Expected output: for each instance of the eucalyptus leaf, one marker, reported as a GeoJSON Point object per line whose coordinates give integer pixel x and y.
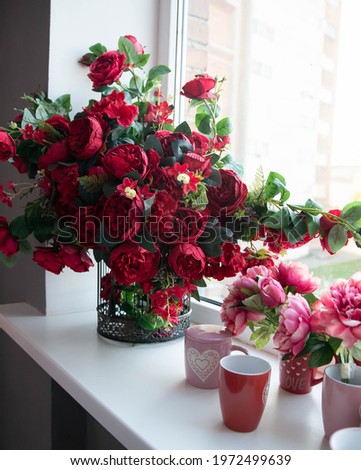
{"type": "Point", "coordinates": [337, 237]}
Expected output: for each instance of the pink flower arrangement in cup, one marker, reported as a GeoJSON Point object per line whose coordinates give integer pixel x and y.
{"type": "Point", "coordinates": [280, 302]}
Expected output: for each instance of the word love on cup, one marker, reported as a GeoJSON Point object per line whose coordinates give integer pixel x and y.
{"type": "Point", "coordinates": [204, 347]}
{"type": "Point", "coordinates": [243, 390]}
{"type": "Point", "coordinates": [296, 376]}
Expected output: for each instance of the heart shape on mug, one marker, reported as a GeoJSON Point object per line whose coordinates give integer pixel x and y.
{"type": "Point", "coordinates": [203, 364]}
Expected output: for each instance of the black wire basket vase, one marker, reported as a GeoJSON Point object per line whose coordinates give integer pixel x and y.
{"type": "Point", "coordinates": [123, 317]}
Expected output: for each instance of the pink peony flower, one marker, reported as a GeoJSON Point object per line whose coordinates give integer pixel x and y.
{"type": "Point", "coordinates": [338, 312]}
{"type": "Point", "coordinates": [297, 277]}
{"type": "Point", "coordinates": [234, 312]}
{"type": "Point", "coordinates": [294, 325]}
{"type": "Point", "coordinates": [271, 291]}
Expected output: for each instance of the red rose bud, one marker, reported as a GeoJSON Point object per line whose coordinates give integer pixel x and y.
{"type": "Point", "coordinates": [107, 68]}
{"type": "Point", "coordinates": [9, 245]}
{"type": "Point", "coordinates": [326, 224]}
{"type": "Point", "coordinates": [7, 146]}
{"type": "Point", "coordinates": [137, 46]}
{"type": "Point", "coordinates": [196, 162]}
{"type": "Point", "coordinates": [199, 88]}
{"type": "Point", "coordinates": [57, 152]}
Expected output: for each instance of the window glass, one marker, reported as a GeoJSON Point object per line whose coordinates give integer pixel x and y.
{"type": "Point", "coordinates": [292, 92]}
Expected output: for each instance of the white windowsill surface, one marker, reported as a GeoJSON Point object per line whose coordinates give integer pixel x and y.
{"type": "Point", "coordinates": [140, 395]}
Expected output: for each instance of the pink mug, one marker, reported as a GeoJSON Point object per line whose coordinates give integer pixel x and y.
{"type": "Point", "coordinates": [204, 347]}
{"type": "Point", "coordinates": [296, 376]}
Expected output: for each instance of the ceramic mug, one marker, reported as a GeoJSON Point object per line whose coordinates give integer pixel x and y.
{"type": "Point", "coordinates": [340, 401]}
{"type": "Point", "coordinates": [296, 376]}
{"type": "Point", "coordinates": [346, 439]}
{"type": "Point", "coordinates": [204, 347]}
{"type": "Point", "coordinates": [243, 390]}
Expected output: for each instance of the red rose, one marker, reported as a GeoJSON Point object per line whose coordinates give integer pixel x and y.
{"type": "Point", "coordinates": [131, 263]}
{"type": "Point", "coordinates": [199, 88]}
{"type": "Point", "coordinates": [185, 225]}
{"type": "Point", "coordinates": [85, 137]}
{"type": "Point", "coordinates": [9, 245]}
{"type": "Point", "coordinates": [49, 259]}
{"type": "Point", "coordinates": [123, 217]}
{"type": "Point", "coordinates": [137, 46]}
{"type": "Point", "coordinates": [7, 146]}
{"type": "Point", "coordinates": [326, 224]}
{"type": "Point", "coordinates": [107, 68]}
{"type": "Point", "coordinates": [229, 196]}
{"type": "Point", "coordinates": [57, 152]}
{"type": "Point", "coordinates": [76, 258]}
{"type": "Point", "coordinates": [115, 107]}
{"type": "Point", "coordinates": [124, 159]}
{"type": "Point", "coordinates": [187, 261]}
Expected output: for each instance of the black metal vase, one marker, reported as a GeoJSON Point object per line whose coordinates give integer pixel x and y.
{"type": "Point", "coordinates": [122, 320]}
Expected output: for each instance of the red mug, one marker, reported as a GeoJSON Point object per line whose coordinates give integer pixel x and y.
{"type": "Point", "coordinates": [296, 376]}
{"type": "Point", "coordinates": [243, 391]}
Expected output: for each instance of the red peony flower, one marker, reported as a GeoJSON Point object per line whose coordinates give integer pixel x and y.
{"type": "Point", "coordinates": [187, 261]}
{"type": "Point", "coordinates": [107, 68]}
{"type": "Point", "coordinates": [123, 217]}
{"type": "Point", "coordinates": [85, 138]}
{"type": "Point", "coordinates": [124, 159]}
{"type": "Point", "coordinates": [229, 196]}
{"type": "Point", "coordinates": [66, 180]}
{"type": "Point", "coordinates": [131, 263]}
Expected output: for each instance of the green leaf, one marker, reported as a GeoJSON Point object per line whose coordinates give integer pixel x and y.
{"type": "Point", "coordinates": [203, 123]}
{"type": "Point", "coordinates": [142, 60]}
{"type": "Point", "coordinates": [19, 227]}
{"type": "Point", "coordinates": [28, 118]}
{"type": "Point", "coordinates": [195, 295]}
{"type": "Point", "coordinates": [153, 143]}
{"type": "Point", "coordinates": [236, 167]}
{"type": "Point", "coordinates": [352, 213]}
{"type": "Point", "coordinates": [276, 184]}
{"type": "Point", "coordinates": [147, 207]}
{"type": "Point", "coordinates": [200, 283]}
{"type": "Point", "coordinates": [321, 356]}
{"type": "Point", "coordinates": [9, 262]}
{"type": "Point", "coordinates": [184, 128]}
{"type": "Point", "coordinates": [43, 231]}
{"type": "Point", "coordinates": [41, 113]}
{"type": "Point", "coordinates": [337, 237]}
{"type": "Point", "coordinates": [297, 230]}
{"type": "Point", "coordinates": [313, 224]}
{"type": "Point", "coordinates": [214, 179]}
{"type": "Point", "coordinates": [127, 47]}
{"type": "Point", "coordinates": [313, 204]}
{"type": "Point", "coordinates": [63, 104]}
{"type": "Point", "coordinates": [224, 127]}
{"type": "Point", "coordinates": [279, 219]}
{"type": "Point", "coordinates": [98, 49]}
{"type": "Point", "coordinates": [254, 302]}
{"type": "Point", "coordinates": [356, 351]}
{"type": "Point", "coordinates": [25, 246]}
{"type": "Point", "coordinates": [157, 71]}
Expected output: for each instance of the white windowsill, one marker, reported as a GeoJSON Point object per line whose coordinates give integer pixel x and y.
{"type": "Point", "coordinates": [139, 393]}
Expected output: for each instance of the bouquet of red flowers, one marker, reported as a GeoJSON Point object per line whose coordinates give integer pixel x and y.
{"type": "Point", "coordinates": [163, 206]}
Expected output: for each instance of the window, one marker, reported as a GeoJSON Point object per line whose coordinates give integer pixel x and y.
{"type": "Point", "coordinates": [292, 92]}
